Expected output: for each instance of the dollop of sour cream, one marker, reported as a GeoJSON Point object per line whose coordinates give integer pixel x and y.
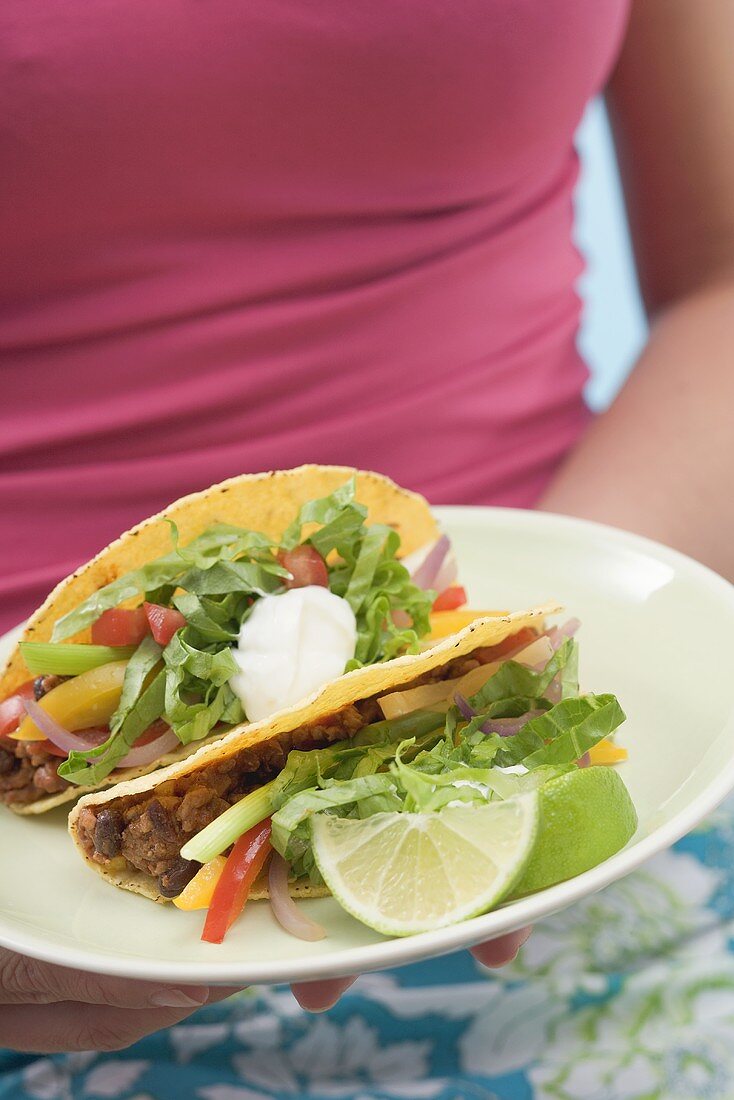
{"type": "Point", "coordinates": [291, 645]}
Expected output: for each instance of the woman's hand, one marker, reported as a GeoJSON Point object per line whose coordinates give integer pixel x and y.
{"type": "Point", "coordinates": [319, 996]}
{"type": "Point", "coordinates": [46, 1009]}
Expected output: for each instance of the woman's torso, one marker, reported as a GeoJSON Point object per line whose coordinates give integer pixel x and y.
{"type": "Point", "coordinates": [246, 236]}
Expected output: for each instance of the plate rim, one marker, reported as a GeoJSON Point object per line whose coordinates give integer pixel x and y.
{"type": "Point", "coordinates": [391, 952]}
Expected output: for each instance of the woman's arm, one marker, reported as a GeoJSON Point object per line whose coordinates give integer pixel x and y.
{"type": "Point", "coordinates": [661, 460]}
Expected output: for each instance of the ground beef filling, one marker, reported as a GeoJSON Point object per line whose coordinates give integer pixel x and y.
{"type": "Point", "coordinates": [146, 832]}
{"type": "Point", "coordinates": [27, 771]}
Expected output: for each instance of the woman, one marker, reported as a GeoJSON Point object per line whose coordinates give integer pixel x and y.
{"type": "Point", "coordinates": [239, 237]}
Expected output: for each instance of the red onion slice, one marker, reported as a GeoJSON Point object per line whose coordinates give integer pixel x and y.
{"type": "Point", "coordinates": [447, 575]}
{"type": "Point", "coordinates": [585, 760]}
{"type": "Point", "coordinates": [557, 635]}
{"type": "Point", "coordinates": [464, 706]}
{"type": "Point", "coordinates": [426, 573]}
{"type": "Point", "coordinates": [146, 754]}
{"type": "Point", "coordinates": [506, 727]}
{"type": "Point", "coordinates": [50, 728]}
{"type": "Point", "coordinates": [284, 908]}
{"type": "Point", "coordinates": [72, 742]}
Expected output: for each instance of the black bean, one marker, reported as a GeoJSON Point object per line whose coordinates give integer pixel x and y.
{"type": "Point", "coordinates": [108, 833]}
{"type": "Point", "coordinates": [43, 684]}
{"type": "Point", "coordinates": [161, 820]}
{"type": "Point", "coordinates": [178, 875]}
{"type": "Point", "coordinates": [7, 761]}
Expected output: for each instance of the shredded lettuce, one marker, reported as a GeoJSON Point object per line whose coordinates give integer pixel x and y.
{"type": "Point", "coordinates": [366, 573]}
{"type": "Point", "coordinates": [198, 695]}
{"type": "Point", "coordinates": [209, 546]}
{"type": "Point", "coordinates": [363, 754]}
{"type": "Point", "coordinates": [339, 516]}
{"type": "Point", "coordinates": [291, 826]}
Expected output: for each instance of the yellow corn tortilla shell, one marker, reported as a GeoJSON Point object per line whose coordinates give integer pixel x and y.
{"type": "Point", "coordinates": [266, 502]}
{"type": "Point", "coordinates": [353, 687]}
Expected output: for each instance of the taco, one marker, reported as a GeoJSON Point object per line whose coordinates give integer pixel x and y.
{"type": "Point", "coordinates": [133, 834]}
{"type": "Point", "coordinates": [230, 605]}
{"type": "Point", "coordinates": [453, 752]}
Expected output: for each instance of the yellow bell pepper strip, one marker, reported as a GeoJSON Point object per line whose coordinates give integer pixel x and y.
{"type": "Point", "coordinates": [606, 752]}
{"type": "Point", "coordinates": [198, 893]}
{"type": "Point", "coordinates": [244, 864]}
{"type": "Point", "coordinates": [444, 623]}
{"type": "Point", "coordinates": [86, 700]}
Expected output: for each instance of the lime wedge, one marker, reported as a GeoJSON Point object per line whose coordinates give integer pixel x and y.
{"type": "Point", "coordinates": [585, 817]}
{"type": "Point", "coordinates": [403, 873]}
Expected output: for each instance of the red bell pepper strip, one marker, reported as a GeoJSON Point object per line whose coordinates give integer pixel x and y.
{"type": "Point", "coordinates": [243, 865]}
{"type": "Point", "coordinates": [450, 598]}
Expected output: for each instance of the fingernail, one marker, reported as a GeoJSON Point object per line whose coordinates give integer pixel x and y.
{"type": "Point", "coordinates": [324, 1006]}
{"type": "Point", "coordinates": [176, 998]}
{"type": "Point", "coordinates": [221, 992]}
{"type": "Point", "coordinates": [320, 996]}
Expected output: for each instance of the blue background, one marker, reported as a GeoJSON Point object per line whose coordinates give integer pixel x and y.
{"type": "Point", "coordinates": [614, 326]}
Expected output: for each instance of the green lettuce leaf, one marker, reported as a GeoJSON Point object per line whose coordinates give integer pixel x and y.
{"type": "Point", "coordinates": [564, 733]}
{"type": "Point", "coordinates": [213, 620]}
{"type": "Point", "coordinates": [339, 516]}
{"type": "Point", "coordinates": [139, 667]}
{"type": "Point", "coordinates": [291, 832]}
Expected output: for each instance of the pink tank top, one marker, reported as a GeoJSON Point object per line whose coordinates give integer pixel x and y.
{"type": "Point", "coordinates": [245, 235]}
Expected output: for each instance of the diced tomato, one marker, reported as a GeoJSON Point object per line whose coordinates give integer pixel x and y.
{"type": "Point", "coordinates": [450, 598]}
{"type": "Point", "coordinates": [12, 711]}
{"type": "Point", "coordinates": [153, 732]}
{"type": "Point", "coordinates": [515, 641]}
{"type": "Point", "coordinates": [306, 565]}
{"type": "Point", "coordinates": [244, 864]}
{"type": "Point", "coordinates": [120, 626]}
{"type": "Point", "coordinates": [163, 621]}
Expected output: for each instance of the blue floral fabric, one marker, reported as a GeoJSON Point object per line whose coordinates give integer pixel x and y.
{"type": "Point", "coordinates": [627, 996]}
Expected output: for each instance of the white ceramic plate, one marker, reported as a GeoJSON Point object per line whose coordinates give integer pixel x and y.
{"type": "Point", "coordinates": [658, 631]}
